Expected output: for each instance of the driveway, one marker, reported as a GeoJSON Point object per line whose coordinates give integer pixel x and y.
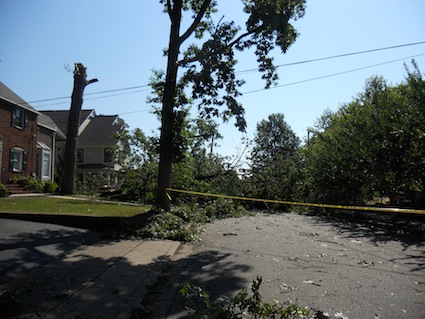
{"type": "Point", "coordinates": [52, 272]}
{"type": "Point", "coordinates": [354, 266]}
{"type": "Point", "coordinates": [26, 245]}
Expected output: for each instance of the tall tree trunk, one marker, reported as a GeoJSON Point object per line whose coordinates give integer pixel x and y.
{"type": "Point", "coordinates": [167, 118]}
{"type": "Point", "coordinates": [71, 147]}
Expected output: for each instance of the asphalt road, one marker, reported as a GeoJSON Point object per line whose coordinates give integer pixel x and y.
{"type": "Point", "coordinates": [349, 267]}
{"type": "Point", "coordinates": [352, 267]}
{"type": "Point", "coordinates": [26, 245]}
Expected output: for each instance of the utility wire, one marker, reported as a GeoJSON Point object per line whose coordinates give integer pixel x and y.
{"type": "Point", "coordinates": [339, 56]}
{"type": "Point", "coordinates": [93, 93]}
{"type": "Point", "coordinates": [251, 70]}
{"type": "Point", "coordinates": [88, 99]}
{"type": "Point", "coordinates": [259, 90]}
{"type": "Point", "coordinates": [333, 74]}
{"type": "Point", "coordinates": [121, 89]}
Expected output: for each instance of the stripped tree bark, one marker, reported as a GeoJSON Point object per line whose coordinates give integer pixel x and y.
{"type": "Point", "coordinates": [70, 159]}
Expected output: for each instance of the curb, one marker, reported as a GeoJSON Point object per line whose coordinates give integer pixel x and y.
{"type": "Point", "coordinates": [136, 302]}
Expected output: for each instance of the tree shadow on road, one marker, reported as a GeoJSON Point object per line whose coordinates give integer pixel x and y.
{"type": "Point", "coordinates": [81, 285]}
{"type": "Point", "coordinates": [381, 228]}
{"type": "Point", "coordinates": [22, 252]}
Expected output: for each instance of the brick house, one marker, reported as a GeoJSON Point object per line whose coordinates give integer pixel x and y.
{"type": "Point", "coordinates": [31, 141]}
{"type": "Point", "coordinates": [18, 136]}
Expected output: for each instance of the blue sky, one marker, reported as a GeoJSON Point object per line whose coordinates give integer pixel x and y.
{"type": "Point", "coordinates": [120, 42]}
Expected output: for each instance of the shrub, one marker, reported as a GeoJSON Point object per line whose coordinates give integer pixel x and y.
{"type": "Point", "coordinates": [182, 222]}
{"type": "Point", "coordinates": [244, 305]}
{"type": "Point", "coordinates": [50, 187]}
{"type": "Point", "coordinates": [166, 225]}
{"type": "Point", "coordinates": [29, 183]}
{"type": "Point", "coordinates": [136, 191]}
{"type": "Point", "coordinates": [92, 184]}
{"type": "Point", "coordinates": [4, 191]}
{"type": "Point", "coordinates": [222, 208]}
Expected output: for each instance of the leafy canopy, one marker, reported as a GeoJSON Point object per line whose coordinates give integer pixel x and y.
{"type": "Point", "coordinates": [273, 159]}
{"type": "Point", "coordinates": [372, 146]}
{"type": "Point", "coordinates": [209, 66]}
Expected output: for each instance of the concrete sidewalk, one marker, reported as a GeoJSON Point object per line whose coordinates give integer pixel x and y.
{"type": "Point", "coordinates": [107, 279]}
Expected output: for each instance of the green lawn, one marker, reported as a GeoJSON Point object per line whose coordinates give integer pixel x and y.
{"type": "Point", "coordinates": [66, 206]}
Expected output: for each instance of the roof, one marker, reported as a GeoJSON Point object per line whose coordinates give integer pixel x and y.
{"type": "Point", "coordinates": [100, 131]}
{"type": "Point", "coordinates": [60, 118]}
{"type": "Point", "coordinates": [43, 146]}
{"type": "Point", "coordinates": [9, 96]}
{"type": "Point", "coordinates": [47, 121]}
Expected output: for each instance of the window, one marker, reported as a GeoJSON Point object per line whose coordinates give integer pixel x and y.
{"type": "Point", "coordinates": [120, 157]}
{"type": "Point", "coordinates": [1, 155]}
{"type": "Point", "coordinates": [18, 160]}
{"type": "Point", "coordinates": [19, 118]}
{"type": "Point", "coordinates": [80, 155]}
{"type": "Point", "coordinates": [108, 155]}
{"type": "Point", "coordinates": [45, 168]}
{"type": "Point", "coordinates": [43, 161]}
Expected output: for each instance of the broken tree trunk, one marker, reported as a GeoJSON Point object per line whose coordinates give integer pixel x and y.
{"type": "Point", "coordinates": [71, 147]}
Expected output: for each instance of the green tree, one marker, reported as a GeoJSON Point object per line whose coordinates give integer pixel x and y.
{"type": "Point", "coordinates": [274, 138]}
{"type": "Point", "coordinates": [372, 146]}
{"type": "Point", "coordinates": [199, 168]}
{"type": "Point", "coordinates": [209, 67]}
{"type": "Point", "coordinates": [274, 160]}
{"type": "Point", "coordinates": [139, 165]}
{"type": "Point", "coordinates": [195, 167]}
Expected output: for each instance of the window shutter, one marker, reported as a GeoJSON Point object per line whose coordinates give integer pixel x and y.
{"type": "Point", "coordinates": [24, 162]}
{"type": "Point", "coordinates": [25, 120]}
{"type": "Point", "coordinates": [13, 116]}
{"type": "Point", "coordinates": [11, 160]}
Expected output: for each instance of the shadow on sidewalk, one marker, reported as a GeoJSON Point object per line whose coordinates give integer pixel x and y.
{"type": "Point", "coordinates": [50, 275]}
{"type": "Point", "coordinates": [22, 252]}
{"type": "Point", "coordinates": [77, 284]}
{"type": "Point", "coordinates": [211, 270]}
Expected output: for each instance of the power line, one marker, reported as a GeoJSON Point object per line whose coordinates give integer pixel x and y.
{"type": "Point", "coordinates": [90, 99]}
{"type": "Point", "coordinates": [259, 90]}
{"type": "Point", "coordinates": [339, 56]}
{"type": "Point", "coordinates": [94, 93]}
{"type": "Point", "coordinates": [253, 91]}
{"type": "Point", "coordinates": [333, 74]}
{"type": "Point", "coordinates": [121, 89]}
{"type": "Point", "coordinates": [252, 70]}
{"type": "Point", "coordinates": [131, 112]}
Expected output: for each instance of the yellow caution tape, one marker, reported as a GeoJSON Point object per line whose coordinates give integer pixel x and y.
{"type": "Point", "coordinates": [361, 208]}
